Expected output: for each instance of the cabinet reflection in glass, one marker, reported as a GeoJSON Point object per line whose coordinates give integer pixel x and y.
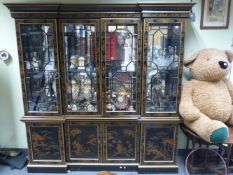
{"type": "Point", "coordinates": [80, 57]}
{"type": "Point", "coordinates": [39, 67]}
{"type": "Point", "coordinates": [120, 63]}
{"type": "Point", "coordinates": [162, 67]}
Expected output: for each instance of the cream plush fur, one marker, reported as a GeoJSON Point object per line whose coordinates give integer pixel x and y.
{"type": "Point", "coordinates": [206, 100]}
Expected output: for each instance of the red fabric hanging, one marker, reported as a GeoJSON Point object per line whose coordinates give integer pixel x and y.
{"type": "Point", "coordinates": [111, 46]}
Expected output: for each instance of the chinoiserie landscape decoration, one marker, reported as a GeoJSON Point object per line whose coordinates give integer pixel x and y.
{"type": "Point", "coordinates": [101, 84]}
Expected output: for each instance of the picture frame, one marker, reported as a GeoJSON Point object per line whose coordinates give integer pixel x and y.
{"type": "Point", "coordinates": [215, 14]}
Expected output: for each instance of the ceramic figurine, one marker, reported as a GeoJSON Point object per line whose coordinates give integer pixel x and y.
{"type": "Point", "coordinates": [81, 63]}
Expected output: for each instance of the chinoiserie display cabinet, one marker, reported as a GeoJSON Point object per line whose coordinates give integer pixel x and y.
{"type": "Point", "coordinates": [101, 84]}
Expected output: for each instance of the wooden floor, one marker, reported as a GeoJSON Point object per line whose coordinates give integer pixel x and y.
{"type": "Point", "coordinates": [5, 170]}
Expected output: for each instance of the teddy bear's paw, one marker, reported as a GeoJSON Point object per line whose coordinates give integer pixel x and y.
{"type": "Point", "coordinates": [219, 135]}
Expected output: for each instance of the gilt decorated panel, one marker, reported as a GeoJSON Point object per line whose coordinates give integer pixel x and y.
{"type": "Point", "coordinates": [45, 143]}
{"type": "Point", "coordinates": [158, 143]}
{"type": "Point", "coordinates": [120, 142]}
{"type": "Point", "coordinates": [84, 142]}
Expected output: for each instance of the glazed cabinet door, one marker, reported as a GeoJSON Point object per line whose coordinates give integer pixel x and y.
{"type": "Point", "coordinates": [162, 66]}
{"type": "Point", "coordinates": [45, 143]}
{"type": "Point", "coordinates": [83, 142]}
{"type": "Point", "coordinates": [37, 45]}
{"type": "Point", "coordinates": [80, 66]}
{"type": "Point", "coordinates": [121, 54]}
{"type": "Point", "coordinates": [120, 143]}
{"type": "Point", "coordinates": [158, 144]}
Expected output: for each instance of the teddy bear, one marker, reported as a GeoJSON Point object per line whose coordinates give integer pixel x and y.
{"type": "Point", "coordinates": [206, 103]}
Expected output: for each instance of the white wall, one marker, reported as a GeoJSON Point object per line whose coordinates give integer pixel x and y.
{"type": "Point", "coordinates": [12, 131]}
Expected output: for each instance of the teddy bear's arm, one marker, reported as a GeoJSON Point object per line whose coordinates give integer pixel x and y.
{"type": "Point", "coordinates": [186, 108]}
{"type": "Point", "coordinates": [230, 88]}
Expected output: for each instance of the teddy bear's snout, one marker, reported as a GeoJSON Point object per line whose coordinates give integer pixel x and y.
{"type": "Point", "coordinates": [223, 64]}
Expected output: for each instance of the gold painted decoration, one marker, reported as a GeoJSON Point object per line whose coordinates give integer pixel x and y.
{"type": "Point", "coordinates": [84, 142]}
{"type": "Point", "coordinates": [45, 143]}
{"type": "Point", "coordinates": [121, 142]}
{"type": "Point", "coordinates": [159, 143]}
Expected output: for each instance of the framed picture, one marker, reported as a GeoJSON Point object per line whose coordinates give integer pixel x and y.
{"type": "Point", "coordinates": [215, 14]}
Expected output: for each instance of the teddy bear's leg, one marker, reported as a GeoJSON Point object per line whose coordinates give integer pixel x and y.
{"type": "Point", "coordinates": [210, 130]}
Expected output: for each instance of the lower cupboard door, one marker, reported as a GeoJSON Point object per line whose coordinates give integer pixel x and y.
{"type": "Point", "coordinates": [120, 143]}
{"type": "Point", "coordinates": [158, 144]}
{"type": "Point", "coordinates": [84, 142]}
{"type": "Point", "coordinates": [45, 143]}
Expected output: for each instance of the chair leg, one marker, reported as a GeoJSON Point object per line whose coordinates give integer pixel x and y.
{"type": "Point", "coordinates": [187, 144]}
{"type": "Point", "coordinates": [187, 147]}
{"type": "Point", "coordinates": [229, 149]}
{"type": "Point", "coordinates": [193, 143]}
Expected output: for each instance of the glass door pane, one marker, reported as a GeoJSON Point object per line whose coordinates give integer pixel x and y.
{"type": "Point", "coordinates": [120, 67]}
{"type": "Point", "coordinates": [81, 64]}
{"type": "Point", "coordinates": [163, 42]}
{"type": "Point", "coordinates": [40, 61]}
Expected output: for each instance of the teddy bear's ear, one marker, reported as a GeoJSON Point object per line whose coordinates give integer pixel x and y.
{"type": "Point", "coordinates": [188, 62]}
{"type": "Point", "coordinates": [229, 55]}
